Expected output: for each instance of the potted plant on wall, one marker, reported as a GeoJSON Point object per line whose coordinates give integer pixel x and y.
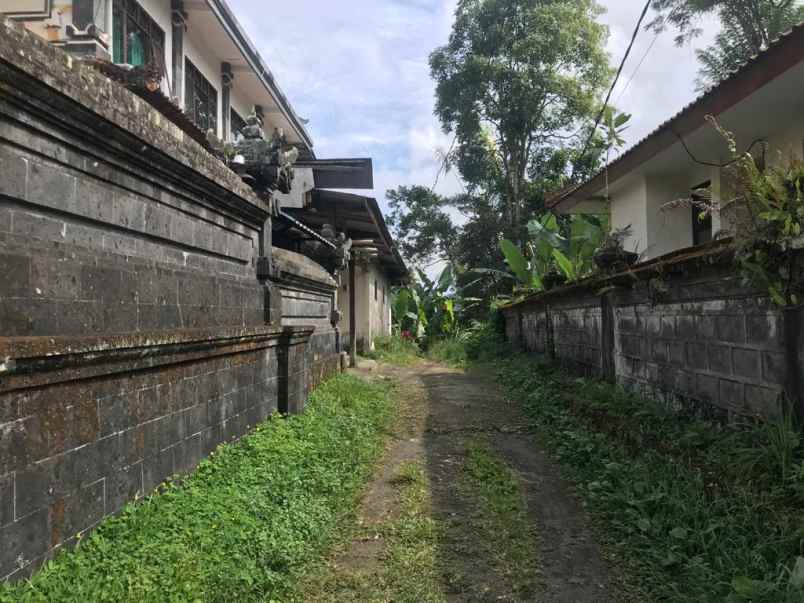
{"type": "Point", "coordinates": [611, 256]}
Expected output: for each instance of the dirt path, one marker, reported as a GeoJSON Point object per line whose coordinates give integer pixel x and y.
{"type": "Point", "coordinates": [489, 543]}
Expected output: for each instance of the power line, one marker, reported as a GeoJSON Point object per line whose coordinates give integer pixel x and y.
{"type": "Point", "coordinates": [616, 78]}
{"type": "Point", "coordinates": [638, 67]}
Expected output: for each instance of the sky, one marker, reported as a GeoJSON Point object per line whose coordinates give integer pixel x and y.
{"type": "Point", "coordinates": [358, 70]}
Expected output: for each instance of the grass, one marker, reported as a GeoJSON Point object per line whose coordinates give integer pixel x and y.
{"type": "Point", "coordinates": [407, 569]}
{"type": "Point", "coordinates": [497, 528]}
{"type": "Point", "coordinates": [245, 526]}
{"type": "Point", "coordinates": [702, 510]}
{"type": "Point", "coordinates": [449, 351]}
{"type": "Point", "coordinates": [395, 350]}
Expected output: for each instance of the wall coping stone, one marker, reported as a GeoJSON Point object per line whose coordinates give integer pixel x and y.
{"type": "Point", "coordinates": [64, 75]}
{"type": "Point", "coordinates": [716, 252]}
{"type": "Point", "coordinates": [291, 264]}
{"type": "Point", "coordinates": [36, 361]}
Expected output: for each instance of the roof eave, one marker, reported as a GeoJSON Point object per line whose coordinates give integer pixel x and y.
{"type": "Point", "coordinates": [781, 56]}
{"type": "Point", "coordinates": [241, 39]}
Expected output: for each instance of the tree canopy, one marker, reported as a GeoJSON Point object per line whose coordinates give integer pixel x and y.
{"type": "Point", "coordinates": [517, 80]}
{"type": "Point", "coordinates": [748, 27]}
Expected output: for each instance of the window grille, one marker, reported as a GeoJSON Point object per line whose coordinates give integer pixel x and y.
{"type": "Point", "coordinates": [237, 124]}
{"type": "Point", "coordinates": [701, 224]}
{"type": "Point", "coordinates": [136, 38]}
{"type": "Point", "coordinates": [200, 99]}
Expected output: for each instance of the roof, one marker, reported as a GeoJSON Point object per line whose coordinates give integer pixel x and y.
{"type": "Point", "coordinates": [360, 218]}
{"type": "Point", "coordinates": [781, 55]}
{"type": "Point", "coordinates": [244, 44]}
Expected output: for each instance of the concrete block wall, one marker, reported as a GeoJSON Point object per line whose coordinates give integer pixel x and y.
{"type": "Point", "coordinates": [135, 335]}
{"type": "Point", "coordinates": [730, 353]}
{"type": "Point", "coordinates": [701, 337]}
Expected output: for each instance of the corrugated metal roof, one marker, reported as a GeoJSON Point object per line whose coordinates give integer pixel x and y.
{"type": "Point", "coordinates": [555, 198]}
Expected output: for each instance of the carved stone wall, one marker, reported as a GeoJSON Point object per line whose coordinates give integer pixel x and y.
{"type": "Point", "coordinates": [135, 335]}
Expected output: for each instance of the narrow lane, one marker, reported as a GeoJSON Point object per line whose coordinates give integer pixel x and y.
{"type": "Point", "coordinates": [502, 523]}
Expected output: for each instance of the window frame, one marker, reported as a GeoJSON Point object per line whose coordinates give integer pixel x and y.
{"type": "Point", "coordinates": [235, 119]}
{"type": "Point", "coordinates": [701, 228]}
{"type": "Point", "coordinates": [196, 87]}
{"type": "Point", "coordinates": [126, 12]}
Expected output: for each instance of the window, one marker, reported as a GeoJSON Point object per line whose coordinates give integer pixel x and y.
{"type": "Point", "coordinates": [375, 290]}
{"type": "Point", "coordinates": [237, 123]}
{"type": "Point", "coordinates": [701, 223]}
{"type": "Point", "coordinates": [200, 99]}
{"type": "Point", "coordinates": [136, 38]}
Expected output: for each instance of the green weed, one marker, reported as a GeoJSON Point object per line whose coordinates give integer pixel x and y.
{"type": "Point", "coordinates": [703, 510]}
{"type": "Point", "coordinates": [500, 529]}
{"type": "Point", "coordinates": [245, 526]}
{"type": "Point", "coordinates": [395, 350]}
{"type": "Point", "coordinates": [406, 570]}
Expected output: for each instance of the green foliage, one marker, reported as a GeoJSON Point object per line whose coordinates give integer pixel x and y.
{"type": "Point", "coordinates": [549, 252]}
{"type": "Point", "coordinates": [427, 308]}
{"type": "Point", "coordinates": [747, 29]}
{"type": "Point", "coordinates": [245, 526]}
{"type": "Point", "coordinates": [450, 351]}
{"type": "Point", "coordinates": [700, 510]}
{"type": "Point", "coordinates": [422, 229]}
{"type": "Point", "coordinates": [768, 214]}
{"type": "Point", "coordinates": [395, 350]}
{"type": "Point", "coordinates": [515, 76]}
{"type": "Point", "coordinates": [480, 342]}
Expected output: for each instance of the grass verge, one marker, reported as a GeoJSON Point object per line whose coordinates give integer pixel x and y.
{"type": "Point", "coordinates": [405, 570]}
{"type": "Point", "coordinates": [245, 526]}
{"type": "Point", "coordinates": [703, 511]}
{"type": "Point", "coordinates": [496, 529]}
{"type": "Point", "coordinates": [395, 350]}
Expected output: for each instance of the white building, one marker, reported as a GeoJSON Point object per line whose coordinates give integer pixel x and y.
{"type": "Point", "coordinates": [364, 294]}
{"type": "Point", "coordinates": [760, 102]}
{"type": "Point", "coordinates": [209, 68]}
{"type": "Point", "coordinates": [209, 76]}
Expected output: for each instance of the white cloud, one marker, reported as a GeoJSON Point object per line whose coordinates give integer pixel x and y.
{"type": "Point", "coordinates": [358, 69]}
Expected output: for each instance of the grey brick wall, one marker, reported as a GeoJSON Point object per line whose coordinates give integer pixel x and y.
{"type": "Point", "coordinates": [133, 335]}
{"type": "Point", "coordinates": [707, 340]}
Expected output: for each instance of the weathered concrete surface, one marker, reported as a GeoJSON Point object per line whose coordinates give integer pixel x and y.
{"type": "Point", "coordinates": [689, 332]}
{"type": "Point", "coordinates": [133, 331]}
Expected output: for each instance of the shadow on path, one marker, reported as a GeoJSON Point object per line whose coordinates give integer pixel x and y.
{"type": "Point", "coordinates": [446, 414]}
{"type": "Point", "coordinates": [463, 405]}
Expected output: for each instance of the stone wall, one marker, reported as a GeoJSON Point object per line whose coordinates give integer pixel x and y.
{"type": "Point", "coordinates": [684, 328]}
{"type": "Point", "coordinates": [135, 335]}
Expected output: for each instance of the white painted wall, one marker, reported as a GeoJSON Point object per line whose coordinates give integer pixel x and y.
{"type": "Point", "coordinates": [208, 65]}
{"type": "Point", "coordinates": [373, 315]}
{"type": "Point", "coordinates": [628, 208]}
{"type": "Point", "coordinates": [667, 229]}
{"type": "Point", "coordinates": [787, 144]}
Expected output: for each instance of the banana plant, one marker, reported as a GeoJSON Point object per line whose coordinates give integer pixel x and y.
{"type": "Point", "coordinates": [427, 308]}
{"type": "Point", "coordinates": [548, 250]}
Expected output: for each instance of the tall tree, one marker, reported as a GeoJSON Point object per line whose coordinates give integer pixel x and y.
{"type": "Point", "coordinates": [748, 26]}
{"type": "Point", "coordinates": [517, 77]}
{"type": "Point", "coordinates": [422, 228]}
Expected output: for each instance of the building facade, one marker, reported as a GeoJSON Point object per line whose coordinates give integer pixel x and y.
{"type": "Point", "coordinates": [760, 104]}
{"type": "Point", "coordinates": [156, 302]}
{"type": "Point", "coordinates": [202, 60]}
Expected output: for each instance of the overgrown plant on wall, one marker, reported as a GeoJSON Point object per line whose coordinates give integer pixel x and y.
{"type": "Point", "coordinates": [767, 213]}
{"type": "Point", "coordinates": [553, 255]}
